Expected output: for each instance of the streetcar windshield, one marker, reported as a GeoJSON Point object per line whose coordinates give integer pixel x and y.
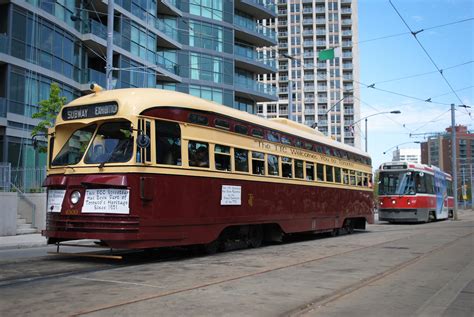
{"type": "Point", "coordinates": [74, 148]}
{"type": "Point", "coordinates": [396, 183]}
{"type": "Point", "coordinates": [113, 143]}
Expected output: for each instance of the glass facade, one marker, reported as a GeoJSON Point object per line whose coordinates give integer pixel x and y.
{"type": "Point", "coordinates": [187, 46]}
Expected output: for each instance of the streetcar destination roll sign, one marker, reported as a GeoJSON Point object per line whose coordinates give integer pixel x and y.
{"type": "Point", "coordinates": [89, 111]}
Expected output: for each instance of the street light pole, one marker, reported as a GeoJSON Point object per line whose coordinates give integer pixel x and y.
{"type": "Point", "coordinates": [383, 112]}
{"type": "Point", "coordinates": [453, 163]}
{"type": "Point", "coordinates": [366, 135]}
{"type": "Point", "coordinates": [110, 43]}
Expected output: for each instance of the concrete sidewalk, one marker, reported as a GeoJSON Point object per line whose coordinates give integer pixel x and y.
{"type": "Point", "coordinates": [22, 241]}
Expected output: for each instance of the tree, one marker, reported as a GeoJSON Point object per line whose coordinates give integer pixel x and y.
{"type": "Point", "coordinates": [49, 109]}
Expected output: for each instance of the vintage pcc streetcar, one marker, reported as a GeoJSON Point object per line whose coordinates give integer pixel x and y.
{"type": "Point", "coordinates": [410, 192]}
{"type": "Point", "coordinates": [146, 168]}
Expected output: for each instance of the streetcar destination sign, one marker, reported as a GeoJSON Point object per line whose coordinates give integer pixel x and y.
{"type": "Point", "coordinates": [89, 111]}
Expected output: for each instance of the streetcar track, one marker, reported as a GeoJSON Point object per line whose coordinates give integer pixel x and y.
{"type": "Point", "coordinates": [326, 299]}
{"type": "Point", "coordinates": [226, 280]}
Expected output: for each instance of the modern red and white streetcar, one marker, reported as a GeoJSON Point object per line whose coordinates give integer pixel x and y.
{"type": "Point", "coordinates": [410, 192]}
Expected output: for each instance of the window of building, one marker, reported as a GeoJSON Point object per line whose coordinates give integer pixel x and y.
{"type": "Point", "coordinates": [241, 159]}
{"type": "Point", "coordinates": [222, 157]}
{"type": "Point", "coordinates": [168, 142]}
{"type": "Point", "coordinates": [287, 167]}
{"type": "Point", "coordinates": [272, 165]}
{"type": "Point", "coordinates": [198, 154]}
{"type": "Point", "coordinates": [258, 163]}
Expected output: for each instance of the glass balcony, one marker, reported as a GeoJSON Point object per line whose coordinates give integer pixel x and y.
{"type": "Point", "coordinates": [3, 107]}
{"type": "Point", "coordinates": [308, 21]}
{"type": "Point", "coordinates": [267, 4]}
{"type": "Point", "coordinates": [309, 111]}
{"type": "Point", "coordinates": [96, 28]}
{"type": "Point", "coordinates": [254, 85]}
{"type": "Point", "coordinates": [4, 44]}
{"type": "Point", "coordinates": [320, 21]}
{"type": "Point", "coordinates": [347, 22]}
{"type": "Point", "coordinates": [254, 27]}
{"type": "Point", "coordinates": [308, 32]}
{"type": "Point", "coordinates": [166, 28]}
{"type": "Point", "coordinates": [94, 76]}
{"type": "Point", "coordinates": [251, 53]}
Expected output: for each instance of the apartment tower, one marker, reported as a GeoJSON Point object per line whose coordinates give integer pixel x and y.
{"type": "Point", "coordinates": [318, 93]}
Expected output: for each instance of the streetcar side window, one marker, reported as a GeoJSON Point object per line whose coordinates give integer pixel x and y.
{"type": "Point", "coordinates": [168, 142]}
{"type": "Point", "coordinates": [287, 167]}
{"type": "Point", "coordinates": [345, 176]}
{"type": "Point", "coordinates": [429, 184]}
{"type": "Point", "coordinates": [198, 154]}
{"type": "Point", "coordinates": [258, 163]}
{"type": "Point", "coordinates": [366, 180]}
{"type": "Point", "coordinates": [222, 157]}
{"type": "Point", "coordinates": [299, 169]}
{"type": "Point", "coordinates": [337, 174]}
{"type": "Point", "coordinates": [272, 165]}
{"type": "Point", "coordinates": [352, 178]}
{"type": "Point", "coordinates": [309, 171]}
{"type": "Point", "coordinates": [320, 172]}
{"type": "Point", "coordinates": [359, 178]}
{"type": "Point", "coordinates": [241, 159]}
{"type": "Point", "coordinates": [329, 174]}
{"type": "Point", "coordinates": [420, 183]}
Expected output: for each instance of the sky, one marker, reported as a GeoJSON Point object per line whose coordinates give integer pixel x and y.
{"type": "Point", "coordinates": [384, 58]}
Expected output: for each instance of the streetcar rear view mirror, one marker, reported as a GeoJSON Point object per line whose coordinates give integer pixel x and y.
{"type": "Point", "coordinates": [143, 141]}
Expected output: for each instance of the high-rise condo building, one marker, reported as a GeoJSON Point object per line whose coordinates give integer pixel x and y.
{"type": "Point", "coordinates": [311, 91]}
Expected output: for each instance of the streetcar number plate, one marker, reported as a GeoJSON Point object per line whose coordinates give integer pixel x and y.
{"type": "Point", "coordinates": [55, 199]}
{"type": "Point", "coordinates": [109, 200]}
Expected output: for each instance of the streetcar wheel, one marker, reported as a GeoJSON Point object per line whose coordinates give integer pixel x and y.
{"type": "Point", "coordinates": [431, 216]}
{"type": "Point", "coordinates": [255, 236]}
{"type": "Point", "coordinates": [211, 247]}
{"type": "Point", "coordinates": [349, 227]}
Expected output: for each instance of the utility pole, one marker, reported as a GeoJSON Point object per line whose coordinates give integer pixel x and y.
{"type": "Point", "coordinates": [110, 43]}
{"type": "Point", "coordinates": [463, 190]}
{"type": "Point", "coordinates": [290, 97]}
{"type": "Point", "coordinates": [453, 163]}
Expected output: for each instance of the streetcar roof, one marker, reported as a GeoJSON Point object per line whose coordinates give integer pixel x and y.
{"type": "Point", "coordinates": [402, 165]}
{"type": "Point", "coordinates": [133, 101]}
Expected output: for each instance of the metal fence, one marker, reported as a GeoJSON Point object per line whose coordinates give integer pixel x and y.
{"type": "Point", "coordinates": [26, 180]}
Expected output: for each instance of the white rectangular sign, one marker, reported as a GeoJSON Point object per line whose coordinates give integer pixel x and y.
{"type": "Point", "coordinates": [55, 200]}
{"type": "Point", "coordinates": [109, 200]}
{"type": "Point", "coordinates": [231, 195]}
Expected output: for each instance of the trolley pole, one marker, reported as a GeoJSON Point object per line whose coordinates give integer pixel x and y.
{"type": "Point", "coordinates": [453, 163]}
{"type": "Point", "coordinates": [110, 43]}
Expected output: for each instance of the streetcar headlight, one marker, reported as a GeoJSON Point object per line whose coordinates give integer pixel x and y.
{"type": "Point", "coordinates": [75, 197]}
{"type": "Point", "coordinates": [393, 202]}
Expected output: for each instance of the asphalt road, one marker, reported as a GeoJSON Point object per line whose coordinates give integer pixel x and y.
{"type": "Point", "coordinates": [388, 270]}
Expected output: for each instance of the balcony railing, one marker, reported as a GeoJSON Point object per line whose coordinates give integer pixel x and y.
{"type": "Point", "coordinates": [308, 21]}
{"type": "Point", "coordinates": [94, 76]}
{"type": "Point", "coordinates": [96, 28]}
{"type": "Point", "coordinates": [3, 107]}
{"type": "Point", "coordinates": [346, 22]}
{"type": "Point", "coordinates": [308, 32]}
{"type": "Point", "coordinates": [308, 77]}
{"type": "Point", "coordinates": [255, 85]}
{"type": "Point", "coordinates": [320, 21]}
{"type": "Point", "coordinates": [267, 4]}
{"type": "Point", "coordinates": [254, 27]}
{"type": "Point", "coordinates": [251, 53]}
{"type": "Point", "coordinates": [4, 44]}
{"type": "Point", "coordinates": [309, 111]}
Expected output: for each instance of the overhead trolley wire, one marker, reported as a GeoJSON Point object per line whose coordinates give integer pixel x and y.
{"type": "Point", "coordinates": [414, 33]}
